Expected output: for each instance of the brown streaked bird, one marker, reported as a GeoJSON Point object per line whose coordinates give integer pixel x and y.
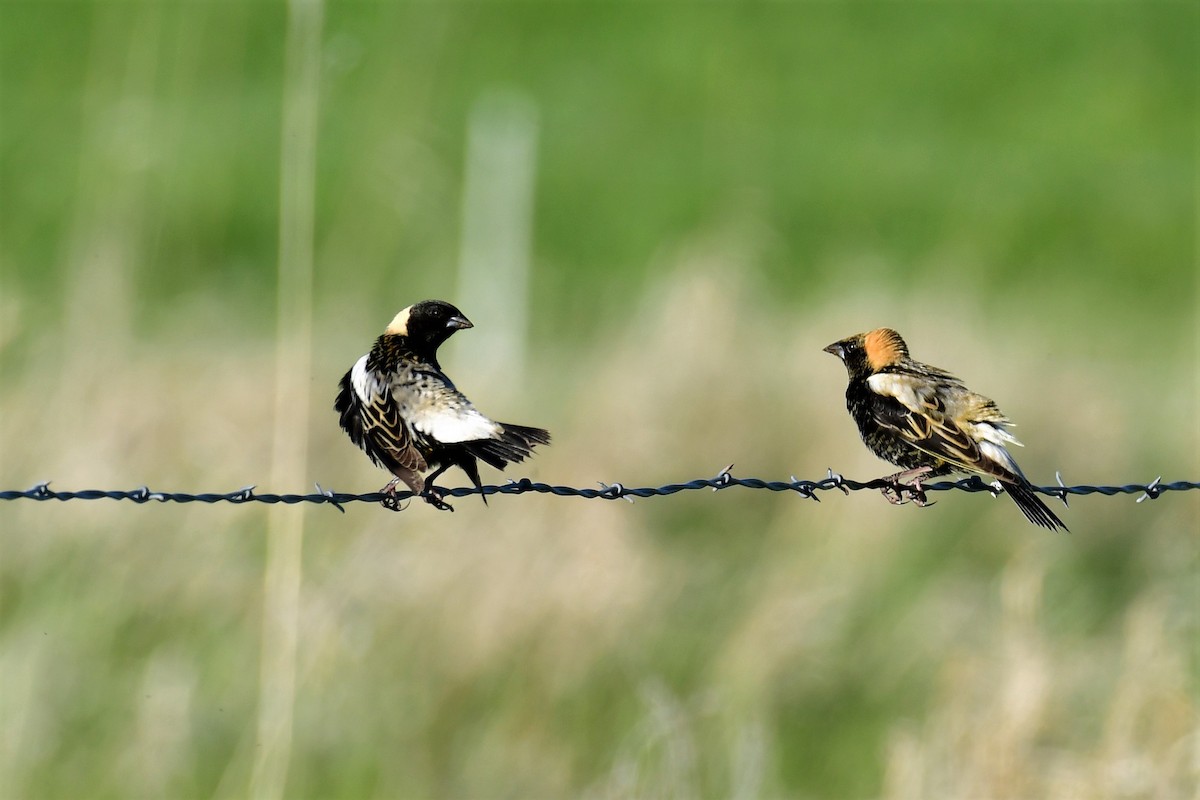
{"type": "Point", "coordinates": [404, 412]}
{"type": "Point", "coordinates": [925, 421]}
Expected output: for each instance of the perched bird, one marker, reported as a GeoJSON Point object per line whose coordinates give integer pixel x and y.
{"type": "Point", "coordinates": [404, 412]}
{"type": "Point", "coordinates": [927, 422]}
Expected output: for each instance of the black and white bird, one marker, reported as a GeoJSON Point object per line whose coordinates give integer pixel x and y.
{"type": "Point", "coordinates": [398, 405]}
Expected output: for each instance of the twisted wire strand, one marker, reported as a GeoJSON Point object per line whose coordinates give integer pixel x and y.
{"type": "Point", "coordinates": [614, 491]}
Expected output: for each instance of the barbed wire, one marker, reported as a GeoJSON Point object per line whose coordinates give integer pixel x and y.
{"type": "Point", "coordinates": [607, 491]}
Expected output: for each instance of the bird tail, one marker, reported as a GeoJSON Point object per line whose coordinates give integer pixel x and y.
{"type": "Point", "coordinates": [515, 443]}
{"type": "Point", "coordinates": [1031, 505]}
{"type": "Point", "coordinates": [470, 467]}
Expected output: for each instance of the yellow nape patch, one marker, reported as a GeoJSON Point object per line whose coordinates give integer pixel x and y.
{"type": "Point", "coordinates": [399, 324]}
{"type": "Point", "coordinates": [884, 348]}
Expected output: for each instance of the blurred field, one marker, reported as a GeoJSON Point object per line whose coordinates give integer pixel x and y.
{"type": "Point", "coordinates": [719, 191]}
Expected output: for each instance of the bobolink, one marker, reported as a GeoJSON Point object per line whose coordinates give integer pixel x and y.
{"type": "Point", "coordinates": [927, 422]}
{"type": "Point", "coordinates": [404, 412]}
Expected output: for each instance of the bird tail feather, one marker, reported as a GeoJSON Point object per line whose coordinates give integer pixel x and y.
{"type": "Point", "coordinates": [470, 467]}
{"type": "Point", "coordinates": [1031, 505]}
{"type": "Point", "coordinates": [514, 444]}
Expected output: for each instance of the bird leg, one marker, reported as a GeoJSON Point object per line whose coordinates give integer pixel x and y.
{"type": "Point", "coordinates": [420, 487]}
{"type": "Point", "coordinates": [892, 495]}
{"type": "Point", "coordinates": [907, 483]}
{"type": "Point", "coordinates": [434, 494]}
{"type": "Point", "coordinates": [411, 479]}
{"type": "Point", "coordinates": [389, 500]}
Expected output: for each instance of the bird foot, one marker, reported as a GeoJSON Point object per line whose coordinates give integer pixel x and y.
{"type": "Point", "coordinates": [905, 486]}
{"type": "Point", "coordinates": [389, 500]}
{"type": "Point", "coordinates": [433, 495]}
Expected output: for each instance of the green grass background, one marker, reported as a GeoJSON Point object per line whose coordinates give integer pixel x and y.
{"type": "Point", "coordinates": [721, 190]}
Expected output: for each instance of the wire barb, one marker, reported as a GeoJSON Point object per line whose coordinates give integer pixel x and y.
{"type": "Point", "coordinates": [723, 478]}
{"type": "Point", "coordinates": [836, 481]}
{"type": "Point", "coordinates": [804, 488]}
{"type": "Point", "coordinates": [614, 492]}
{"type": "Point", "coordinates": [1153, 490]}
{"type": "Point", "coordinates": [1062, 493]}
{"type": "Point", "coordinates": [328, 493]}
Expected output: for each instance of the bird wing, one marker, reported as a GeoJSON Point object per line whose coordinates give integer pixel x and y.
{"type": "Point", "coordinates": [948, 422]}
{"type": "Point", "coordinates": [384, 433]}
{"type": "Point", "coordinates": [438, 412]}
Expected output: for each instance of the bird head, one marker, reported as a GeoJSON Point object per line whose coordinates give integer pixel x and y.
{"type": "Point", "coordinates": [865, 354]}
{"type": "Point", "coordinates": [429, 323]}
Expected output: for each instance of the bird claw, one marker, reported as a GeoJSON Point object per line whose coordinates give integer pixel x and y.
{"type": "Point", "coordinates": [893, 494]}
{"type": "Point", "coordinates": [430, 494]}
{"type": "Point", "coordinates": [391, 503]}
{"type": "Point", "coordinates": [905, 486]}
{"type": "Point", "coordinates": [389, 499]}
{"type": "Point", "coordinates": [917, 495]}
{"type": "Point", "coordinates": [433, 495]}
{"type": "Point", "coordinates": [899, 494]}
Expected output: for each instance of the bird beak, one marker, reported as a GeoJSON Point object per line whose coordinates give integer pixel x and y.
{"type": "Point", "coordinates": [458, 322]}
{"type": "Point", "coordinates": [837, 350]}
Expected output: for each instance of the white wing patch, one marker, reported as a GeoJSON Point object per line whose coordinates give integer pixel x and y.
{"type": "Point", "coordinates": [451, 426]}
{"type": "Point", "coordinates": [909, 392]}
{"type": "Point", "coordinates": [367, 384]}
{"type": "Point", "coordinates": [994, 433]}
{"type": "Point", "coordinates": [434, 408]}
